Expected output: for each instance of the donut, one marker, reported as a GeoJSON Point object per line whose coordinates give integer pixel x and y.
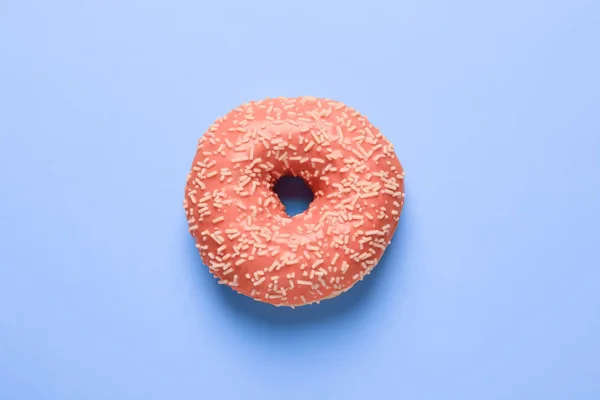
{"type": "Point", "coordinates": [240, 227]}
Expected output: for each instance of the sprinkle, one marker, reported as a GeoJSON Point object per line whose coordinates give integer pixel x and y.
{"type": "Point", "coordinates": [309, 145]}
{"type": "Point", "coordinates": [335, 258]}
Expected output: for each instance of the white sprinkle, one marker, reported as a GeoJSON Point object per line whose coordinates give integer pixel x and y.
{"type": "Point", "coordinates": [309, 145]}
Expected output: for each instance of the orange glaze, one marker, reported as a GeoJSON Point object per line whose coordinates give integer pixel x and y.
{"type": "Point", "coordinates": [241, 229]}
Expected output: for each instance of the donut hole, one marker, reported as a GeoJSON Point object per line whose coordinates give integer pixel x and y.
{"type": "Point", "coordinates": [294, 194]}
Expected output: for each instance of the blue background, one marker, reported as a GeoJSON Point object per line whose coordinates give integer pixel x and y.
{"type": "Point", "coordinates": [490, 290]}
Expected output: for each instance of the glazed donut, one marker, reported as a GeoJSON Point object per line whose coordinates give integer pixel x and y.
{"type": "Point", "coordinates": [240, 227]}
